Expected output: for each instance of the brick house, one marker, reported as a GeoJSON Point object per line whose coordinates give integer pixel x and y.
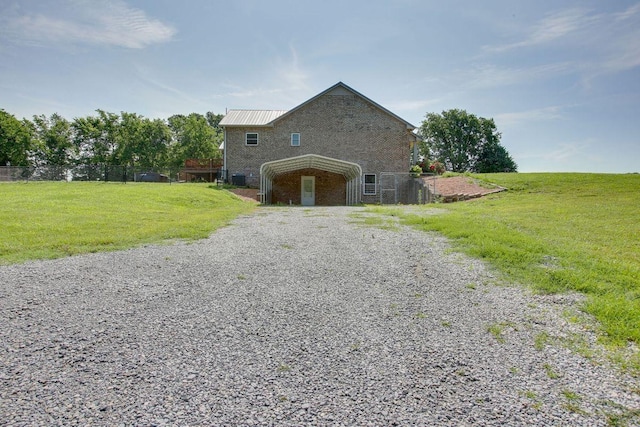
{"type": "Point", "coordinates": [337, 148]}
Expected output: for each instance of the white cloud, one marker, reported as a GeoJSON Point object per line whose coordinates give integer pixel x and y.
{"type": "Point", "coordinates": [553, 27]}
{"type": "Point", "coordinates": [621, 42]}
{"type": "Point", "coordinates": [563, 152]}
{"type": "Point", "coordinates": [568, 151]}
{"type": "Point", "coordinates": [282, 83]}
{"type": "Point", "coordinates": [240, 92]}
{"type": "Point", "coordinates": [291, 74]}
{"type": "Point", "coordinates": [149, 77]}
{"type": "Point", "coordinates": [601, 43]}
{"type": "Point", "coordinates": [102, 23]}
{"type": "Point", "coordinates": [490, 76]}
{"type": "Point", "coordinates": [512, 119]}
{"type": "Point", "coordinates": [413, 105]}
{"type": "Point", "coordinates": [631, 12]}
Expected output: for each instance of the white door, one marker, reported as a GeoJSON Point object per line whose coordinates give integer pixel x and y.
{"type": "Point", "coordinates": [308, 190]}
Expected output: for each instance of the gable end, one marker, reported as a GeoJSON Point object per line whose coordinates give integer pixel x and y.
{"type": "Point", "coordinates": [341, 89]}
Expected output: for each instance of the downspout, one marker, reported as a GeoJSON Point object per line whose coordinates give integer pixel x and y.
{"type": "Point", "coordinates": [225, 171]}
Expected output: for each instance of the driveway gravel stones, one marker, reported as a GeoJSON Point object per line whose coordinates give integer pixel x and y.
{"type": "Point", "coordinates": [295, 316]}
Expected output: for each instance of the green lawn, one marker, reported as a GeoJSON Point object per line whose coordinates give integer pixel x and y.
{"type": "Point", "coordinates": [41, 220]}
{"type": "Point", "coordinates": [558, 232]}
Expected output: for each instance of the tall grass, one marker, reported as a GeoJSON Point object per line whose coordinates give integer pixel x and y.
{"type": "Point", "coordinates": [41, 220]}
{"type": "Point", "coordinates": [558, 232]}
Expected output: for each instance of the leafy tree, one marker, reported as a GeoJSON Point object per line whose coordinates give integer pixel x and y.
{"type": "Point", "coordinates": [96, 138]}
{"type": "Point", "coordinates": [495, 158]}
{"type": "Point", "coordinates": [464, 142]}
{"type": "Point", "coordinates": [214, 119]}
{"type": "Point", "coordinates": [143, 142]}
{"type": "Point", "coordinates": [15, 140]}
{"type": "Point", "coordinates": [155, 143]}
{"type": "Point", "coordinates": [129, 139]}
{"type": "Point", "coordinates": [176, 123]}
{"type": "Point", "coordinates": [54, 150]}
{"type": "Point", "coordinates": [54, 138]}
{"type": "Point", "coordinates": [194, 138]}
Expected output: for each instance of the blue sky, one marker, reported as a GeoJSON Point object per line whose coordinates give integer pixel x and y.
{"type": "Point", "coordinates": [560, 78]}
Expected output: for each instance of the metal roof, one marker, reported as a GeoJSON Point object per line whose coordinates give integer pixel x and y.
{"type": "Point", "coordinates": [250, 117]}
{"type": "Point", "coordinates": [313, 161]}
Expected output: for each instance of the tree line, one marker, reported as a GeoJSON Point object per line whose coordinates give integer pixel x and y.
{"type": "Point", "coordinates": [125, 139]}
{"type": "Point", "coordinates": [455, 139]}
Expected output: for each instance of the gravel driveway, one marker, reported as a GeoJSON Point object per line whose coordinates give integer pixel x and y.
{"type": "Point", "coordinates": [294, 316]}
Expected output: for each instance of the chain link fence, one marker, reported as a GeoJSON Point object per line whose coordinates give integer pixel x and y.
{"type": "Point", "coordinates": [403, 188]}
{"type": "Point", "coordinates": [108, 173]}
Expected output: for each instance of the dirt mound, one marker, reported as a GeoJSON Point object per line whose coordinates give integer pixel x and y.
{"type": "Point", "coordinates": [246, 193]}
{"type": "Point", "coordinates": [455, 188]}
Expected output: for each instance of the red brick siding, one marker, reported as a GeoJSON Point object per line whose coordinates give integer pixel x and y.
{"type": "Point", "coordinates": [330, 188]}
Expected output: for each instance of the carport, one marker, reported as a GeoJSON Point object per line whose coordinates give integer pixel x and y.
{"type": "Point", "coordinates": [351, 172]}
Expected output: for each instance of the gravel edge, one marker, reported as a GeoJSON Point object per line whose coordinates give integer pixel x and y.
{"type": "Point", "coordinates": [290, 316]}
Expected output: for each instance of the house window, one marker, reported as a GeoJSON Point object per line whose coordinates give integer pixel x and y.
{"type": "Point", "coordinates": [369, 184]}
{"type": "Point", "coordinates": [251, 138]}
{"type": "Point", "coordinates": [295, 139]}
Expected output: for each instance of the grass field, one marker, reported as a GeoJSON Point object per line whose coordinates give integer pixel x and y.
{"type": "Point", "coordinates": [558, 232]}
{"type": "Point", "coordinates": [42, 220]}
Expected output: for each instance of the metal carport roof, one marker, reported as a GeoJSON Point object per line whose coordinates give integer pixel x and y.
{"type": "Point", "coordinates": [313, 161]}
{"type": "Point", "coordinates": [351, 172]}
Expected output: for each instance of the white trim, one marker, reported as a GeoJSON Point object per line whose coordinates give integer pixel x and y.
{"type": "Point", "coordinates": [292, 135]}
{"type": "Point", "coordinates": [246, 138]}
{"type": "Point", "coordinates": [367, 185]}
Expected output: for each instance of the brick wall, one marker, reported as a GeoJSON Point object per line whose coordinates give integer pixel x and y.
{"type": "Point", "coordinates": [330, 187]}
{"type": "Point", "coordinates": [343, 126]}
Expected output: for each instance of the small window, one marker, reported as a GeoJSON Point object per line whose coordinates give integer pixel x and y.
{"type": "Point", "coordinates": [295, 139]}
{"type": "Point", "coordinates": [251, 138]}
{"type": "Point", "coordinates": [369, 184]}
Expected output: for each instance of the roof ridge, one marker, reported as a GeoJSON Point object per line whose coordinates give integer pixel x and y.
{"type": "Point", "coordinates": [254, 109]}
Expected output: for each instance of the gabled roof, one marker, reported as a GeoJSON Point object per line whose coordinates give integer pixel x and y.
{"type": "Point", "coordinates": [343, 86]}
{"type": "Point", "coordinates": [250, 117]}
{"type": "Point", "coordinates": [270, 117]}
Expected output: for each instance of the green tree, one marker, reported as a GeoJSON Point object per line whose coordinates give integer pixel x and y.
{"type": "Point", "coordinates": [96, 138]}
{"type": "Point", "coordinates": [464, 142]}
{"type": "Point", "coordinates": [128, 139]}
{"type": "Point", "coordinates": [495, 158]}
{"type": "Point", "coordinates": [193, 138]}
{"type": "Point", "coordinates": [15, 140]}
{"type": "Point", "coordinates": [156, 143]}
{"type": "Point", "coordinates": [54, 138]}
{"type": "Point", "coordinates": [214, 119]}
{"type": "Point", "coordinates": [142, 142]}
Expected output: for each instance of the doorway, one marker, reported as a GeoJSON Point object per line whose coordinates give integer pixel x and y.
{"type": "Point", "coordinates": [308, 190]}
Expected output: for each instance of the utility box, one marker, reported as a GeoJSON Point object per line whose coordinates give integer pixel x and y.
{"type": "Point", "coordinates": [238, 179]}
